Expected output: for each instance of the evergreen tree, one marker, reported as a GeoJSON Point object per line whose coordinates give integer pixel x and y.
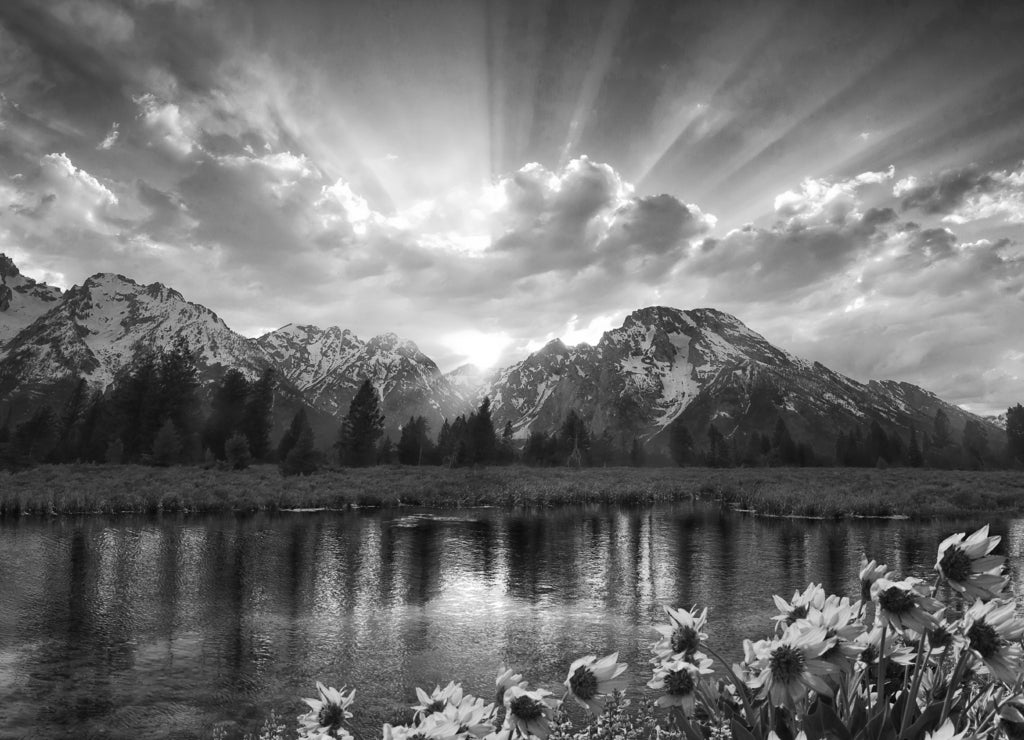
{"type": "Point", "coordinates": [34, 440]}
{"type": "Point", "coordinates": [69, 441]}
{"type": "Point", "coordinates": [414, 446]}
{"type": "Point", "coordinates": [136, 401]}
{"type": "Point", "coordinates": [506, 447]}
{"type": "Point", "coordinates": [292, 433]}
{"type": "Point", "coordinates": [361, 428]}
{"type": "Point", "coordinates": [680, 443]}
{"type": "Point", "coordinates": [637, 455]}
{"type": "Point", "coordinates": [915, 458]}
{"type": "Point", "coordinates": [878, 443]}
{"type": "Point", "coordinates": [482, 437]}
{"type": "Point", "coordinates": [718, 453]}
{"type": "Point", "coordinates": [1015, 433]}
{"type": "Point", "coordinates": [446, 443]}
{"type": "Point", "coordinates": [783, 443]}
{"type": "Point", "coordinates": [114, 454]}
{"type": "Point", "coordinates": [301, 458]}
{"type": "Point", "coordinates": [574, 440]}
{"type": "Point", "coordinates": [167, 445]}
{"type": "Point", "coordinates": [226, 412]}
{"type": "Point", "coordinates": [975, 444]}
{"type": "Point", "coordinates": [941, 436]}
{"type": "Point", "coordinates": [177, 388]}
{"type": "Point", "coordinates": [257, 417]}
{"type": "Point", "coordinates": [236, 451]}
{"type": "Point", "coordinates": [386, 451]}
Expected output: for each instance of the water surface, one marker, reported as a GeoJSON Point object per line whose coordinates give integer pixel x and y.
{"type": "Point", "coordinates": [165, 627]}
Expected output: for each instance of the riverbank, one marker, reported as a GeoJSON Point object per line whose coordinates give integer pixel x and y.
{"type": "Point", "coordinates": [805, 492]}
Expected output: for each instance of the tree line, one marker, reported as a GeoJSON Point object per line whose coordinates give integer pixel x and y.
{"type": "Point", "coordinates": [154, 415]}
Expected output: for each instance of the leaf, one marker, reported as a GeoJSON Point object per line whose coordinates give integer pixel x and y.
{"type": "Point", "coordinates": [739, 732]}
{"type": "Point", "coordinates": [823, 723]}
{"type": "Point", "coordinates": [927, 722]}
{"type": "Point", "coordinates": [879, 727]}
{"type": "Point", "coordinates": [687, 728]}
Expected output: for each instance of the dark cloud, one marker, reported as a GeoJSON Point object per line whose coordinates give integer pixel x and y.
{"type": "Point", "coordinates": [946, 193]}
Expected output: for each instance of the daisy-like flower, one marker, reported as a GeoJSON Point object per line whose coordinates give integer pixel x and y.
{"type": "Point", "coordinates": [327, 713]}
{"type": "Point", "coordinates": [896, 654]}
{"type": "Point", "coordinates": [786, 668]}
{"type": "Point", "coordinates": [905, 604]}
{"type": "Point", "coordinates": [968, 567]}
{"type": "Point", "coordinates": [529, 713]}
{"type": "Point", "coordinates": [994, 634]}
{"type": "Point", "coordinates": [471, 716]}
{"type": "Point", "coordinates": [841, 621]}
{"type": "Point", "coordinates": [812, 598]}
{"type": "Point", "coordinates": [438, 699]}
{"type": "Point", "coordinates": [870, 571]}
{"type": "Point", "coordinates": [682, 635]}
{"type": "Point", "coordinates": [591, 681]}
{"type": "Point", "coordinates": [679, 679]}
{"type": "Point", "coordinates": [505, 680]}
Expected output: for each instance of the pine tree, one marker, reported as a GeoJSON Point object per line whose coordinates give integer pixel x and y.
{"type": "Point", "coordinates": [361, 428]}
{"type": "Point", "coordinates": [445, 443]}
{"type": "Point", "coordinates": [257, 416]}
{"type": "Point", "coordinates": [975, 443]}
{"type": "Point", "coordinates": [136, 401]}
{"type": "Point", "coordinates": [680, 443]}
{"type": "Point", "coordinates": [482, 436]}
{"type": "Point", "coordinates": [236, 451]}
{"type": "Point", "coordinates": [414, 446]}
{"type": "Point", "coordinates": [227, 411]}
{"type": "Point", "coordinates": [941, 437]}
{"type": "Point", "coordinates": [914, 456]}
{"type": "Point", "coordinates": [783, 443]}
{"type": "Point", "coordinates": [574, 440]}
{"type": "Point", "coordinates": [506, 448]}
{"type": "Point", "coordinates": [291, 434]}
{"type": "Point", "coordinates": [178, 385]}
{"type": "Point", "coordinates": [1015, 433]}
{"type": "Point", "coordinates": [301, 458]}
{"type": "Point", "coordinates": [69, 442]}
{"type": "Point", "coordinates": [167, 445]}
{"type": "Point", "coordinates": [637, 456]}
{"type": "Point", "coordinates": [878, 443]}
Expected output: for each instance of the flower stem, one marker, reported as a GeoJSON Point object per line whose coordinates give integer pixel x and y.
{"type": "Point", "coordinates": [741, 687]}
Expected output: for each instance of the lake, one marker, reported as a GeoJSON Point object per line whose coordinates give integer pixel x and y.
{"type": "Point", "coordinates": [143, 627]}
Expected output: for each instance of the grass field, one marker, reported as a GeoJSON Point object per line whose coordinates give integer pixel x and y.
{"type": "Point", "coordinates": [810, 492]}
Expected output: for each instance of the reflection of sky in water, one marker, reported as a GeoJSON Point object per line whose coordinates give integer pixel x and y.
{"type": "Point", "coordinates": [160, 628]}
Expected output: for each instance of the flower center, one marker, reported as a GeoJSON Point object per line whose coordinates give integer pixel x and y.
{"type": "Point", "coordinates": [799, 612]}
{"type": "Point", "coordinates": [685, 640]}
{"type": "Point", "coordinates": [786, 663]}
{"type": "Point", "coordinates": [896, 601]}
{"type": "Point", "coordinates": [869, 654]}
{"type": "Point", "coordinates": [955, 564]}
{"type": "Point", "coordinates": [583, 683]}
{"type": "Point", "coordinates": [525, 708]}
{"type": "Point", "coordinates": [437, 705]}
{"type": "Point", "coordinates": [940, 637]}
{"type": "Point", "coordinates": [679, 683]}
{"type": "Point", "coordinates": [330, 716]}
{"type": "Point", "coordinates": [984, 639]}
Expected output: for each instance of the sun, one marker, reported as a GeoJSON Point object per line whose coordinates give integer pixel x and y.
{"type": "Point", "coordinates": [479, 348]}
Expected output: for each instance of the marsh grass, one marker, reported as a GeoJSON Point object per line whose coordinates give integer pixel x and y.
{"type": "Point", "coordinates": [806, 492]}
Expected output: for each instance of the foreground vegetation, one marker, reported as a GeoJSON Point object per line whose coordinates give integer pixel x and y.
{"type": "Point", "coordinates": [809, 492]}
{"type": "Point", "coordinates": [907, 660]}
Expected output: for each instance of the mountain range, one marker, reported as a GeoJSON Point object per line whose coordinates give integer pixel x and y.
{"type": "Point", "coordinates": [662, 366]}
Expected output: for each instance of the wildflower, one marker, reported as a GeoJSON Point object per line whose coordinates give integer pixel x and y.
{"type": "Point", "coordinates": [679, 679]}
{"type": "Point", "coordinates": [437, 700]}
{"type": "Point", "coordinates": [842, 624]}
{"type": "Point", "coordinates": [505, 680]}
{"type": "Point", "coordinates": [870, 571]}
{"type": "Point", "coordinates": [787, 667]}
{"type": "Point", "coordinates": [905, 604]}
{"type": "Point", "coordinates": [994, 634]}
{"type": "Point", "coordinates": [813, 598]}
{"type": "Point", "coordinates": [682, 635]}
{"type": "Point", "coordinates": [471, 716]}
{"type": "Point", "coordinates": [327, 714]}
{"type": "Point", "coordinates": [896, 654]}
{"type": "Point", "coordinates": [590, 680]}
{"type": "Point", "coordinates": [968, 566]}
{"type": "Point", "coordinates": [529, 712]}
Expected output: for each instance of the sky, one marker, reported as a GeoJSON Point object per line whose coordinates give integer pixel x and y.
{"type": "Point", "coordinates": [481, 176]}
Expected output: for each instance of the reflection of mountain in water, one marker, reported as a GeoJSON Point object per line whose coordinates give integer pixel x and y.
{"type": "Point", "coordinates": [146, 626]}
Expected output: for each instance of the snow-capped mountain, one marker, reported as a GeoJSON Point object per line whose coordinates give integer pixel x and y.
{"type": "Point", "coordinates": [329, 365]}
{"type": "Point", "coordinates": [470, 382]}
{"type": "Point", "coordinates": [699, 366]}
{"type": "Point", "coordinates": [22, 299]}
{"type": "Point", "coordinates": [95, 329]}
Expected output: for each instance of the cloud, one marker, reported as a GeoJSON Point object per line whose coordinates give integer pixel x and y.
{"type": "Point", "coordinates": [110, 139]}
{"type": "Point", "coordinates": [835, 200]}
{"type": "Point", "coordinates": [104, 22]}
{"type": "Point", "coordinates": [174, 131]}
